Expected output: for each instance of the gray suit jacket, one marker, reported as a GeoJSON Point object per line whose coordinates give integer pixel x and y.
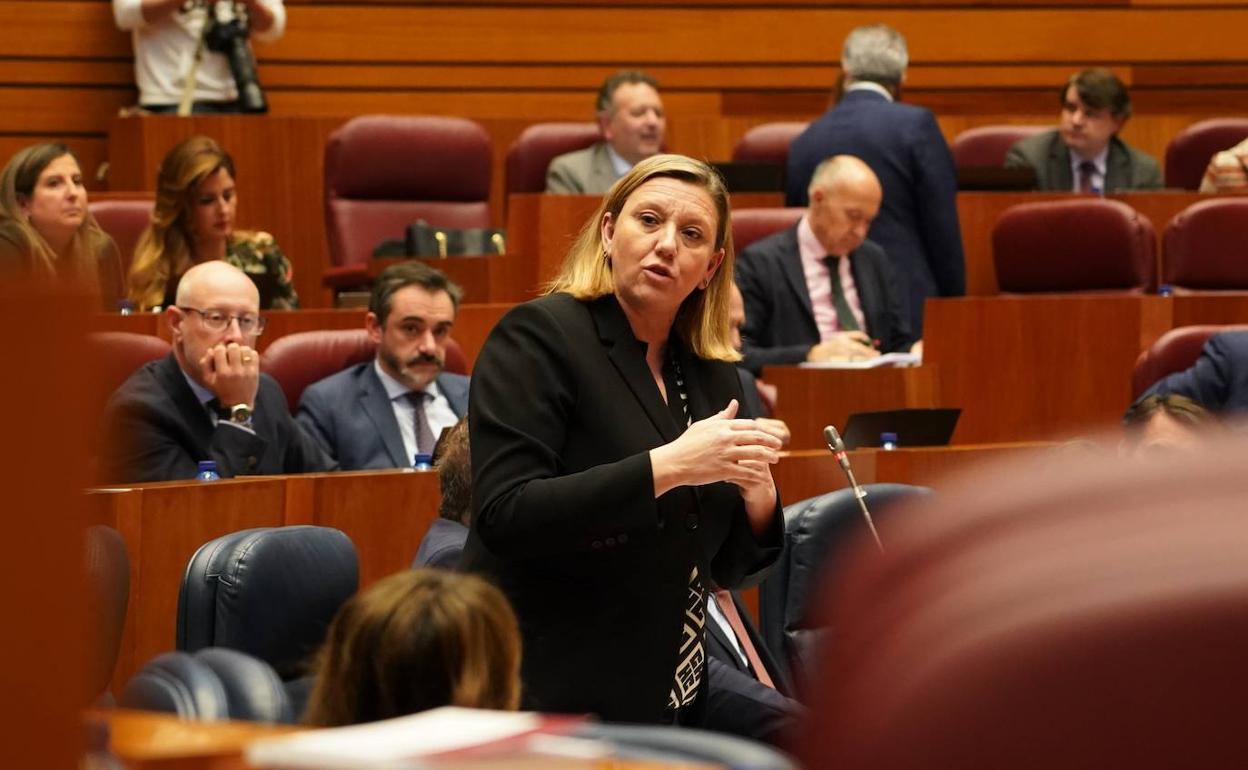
{"type": "Point", "coordinates": [1126, 168]}
{"type": "Point", "coordinates": [583, 172]}
{"type": "Point", "coordinates": [350, 416]}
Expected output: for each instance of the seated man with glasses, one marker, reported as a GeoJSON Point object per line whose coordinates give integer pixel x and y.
{"type": "Point", "coordinates": [207, 400]}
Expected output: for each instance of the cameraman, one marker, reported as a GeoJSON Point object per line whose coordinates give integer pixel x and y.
{"type": "Point", "coordinates": [167, 34]}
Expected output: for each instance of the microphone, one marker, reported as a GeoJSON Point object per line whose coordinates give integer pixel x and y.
{"type": "Point", "coordinates": [837, 447]}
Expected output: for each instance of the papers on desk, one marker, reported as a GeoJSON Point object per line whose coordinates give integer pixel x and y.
{"type": "Point", "coordinates": [441, 737]}
{"type": "Point", "coordinates": [886, 360]}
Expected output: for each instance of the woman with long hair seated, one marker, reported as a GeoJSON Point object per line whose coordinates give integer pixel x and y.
{"type": "Point", "coordinates": [193, 222]}
{"type": "Point", "coordinates": [414, 641]}
{"type": "Point", "coordinates": [46, 231]}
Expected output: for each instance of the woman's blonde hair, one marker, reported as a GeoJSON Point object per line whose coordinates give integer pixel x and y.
{"type": "Point", "coordinates": [417, 640]}
{"type": "Point", "coordinates": [17, 187]}
{"type": "Point", "coordinates": [702, 321]}
{"type": "Point", "coordinates": [164, 249]}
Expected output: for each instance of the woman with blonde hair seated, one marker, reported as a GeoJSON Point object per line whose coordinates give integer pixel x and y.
{"type": "Point", "coordinates": [193, 222]}
{"type": "Point", "coordinates": [414, 641]}
{"type": "Point", "coordinates": [46, 231]}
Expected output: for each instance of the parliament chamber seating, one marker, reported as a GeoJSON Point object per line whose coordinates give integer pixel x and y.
{"type": "Point", "coordinates": [1077, 245]}
{"type": "Point", "coordinates": [301, 359]}
{"type": "Point", "coordinates": [1205, 246]}
{"type": "Point", "coordinates": [116, 355]}
{"type": "Point", "coordinates": [385, 172]}
{"type": "Point", "coordinates": [1174, 351]}
{"type": "Point", "coordinates": [767, 143]}
{"type": "Point", "coordinates": [1074, 609]}
{"type": "Point", "coordinates": [531, 153]}
{"type": "Point", "coordinates": [988, 145]}
{"type": "Point", "coordinates": [270, 592]}
{"type": "Point", "coordinates": [749, 225]}
{"type": "Point", "coordinates": [1188, 153]}
{"type": "Point", "coordinates": [816, 532]}
{"type": "Point", "coordinates": [125, 221]}
{"type": "Point", "coordinates": [108, 585]}
{"type": "Point", "coordinates": [211, 684]}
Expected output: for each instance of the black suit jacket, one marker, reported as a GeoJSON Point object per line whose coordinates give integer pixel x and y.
{"type": "Point", "coordinates": [779, 323]}
{"type": "Point", "coordinates": [918, 221]}
{"type": "Point", "coordinates": [563, 413]}
{"type": "Point", "coordinates": [1126, 168]}
{"type": "Point", "coordinates": [155, 429]}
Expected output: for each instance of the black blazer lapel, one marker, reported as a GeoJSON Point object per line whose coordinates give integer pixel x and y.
{"type": "Point", "coordinates": [1059, 165]}
{"type": "Point", "coordinates": [866, 282]}
{"type": "Point", "coordinates": [790, 261]}
{"type": "Point", "coordinates": [194, 415]}
{"type": "Point", "coordinates": [377, 406]}
{"type": "Point", "coordinates": [1117, 167]}
{"type": "Point", "coordinates": [629, 358]}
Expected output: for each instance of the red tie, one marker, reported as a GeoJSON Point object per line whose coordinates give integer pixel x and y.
{"type": "Point", "coordinates": [729, 608]}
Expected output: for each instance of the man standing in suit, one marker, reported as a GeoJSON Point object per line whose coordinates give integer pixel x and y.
{"type": "Point", "coordinates": [382, 413]}
{"type": "Point", "coordinates": [819, 291]}
{"type": "Point", "coordinates": [1084, 154]}
{"type": "Point", "coordinates": [632, 121]}
{"type": "Point", "coordinates": [917, 224]}
{"type": "Point", "coordinates": [206, 400]}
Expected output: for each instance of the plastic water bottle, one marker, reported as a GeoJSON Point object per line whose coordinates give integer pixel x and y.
{"type": "Point", "coordinates": [422, 462]}
{"type": "Point", "coordinates": [207, 471]}
{"type": "Point", "coordinates": [1165, 290]}
{"type": "Point", "coordinates": [888, 441]}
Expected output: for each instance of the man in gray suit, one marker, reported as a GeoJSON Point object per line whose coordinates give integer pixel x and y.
{"type": "Point", "coordinates": [1084, 154]}
{"type": "Point", "coordinates": [631, 118]}
{"type": "Point", "coordinates": [382, 413]}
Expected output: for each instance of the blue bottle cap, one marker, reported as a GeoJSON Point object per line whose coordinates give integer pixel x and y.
{"type": "Point", "coordinates": [888, 438]}
{"type": "Point", "coordinates": [422, 460]}
{"type": "Point", "coordinates": [207, 465]}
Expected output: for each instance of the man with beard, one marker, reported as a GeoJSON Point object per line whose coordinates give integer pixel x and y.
{"type": "Point", "coordinates": [207, 400]}
{"type": "Point", "coordinates": [382, 413]}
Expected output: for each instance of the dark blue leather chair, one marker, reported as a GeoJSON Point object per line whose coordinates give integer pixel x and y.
{"type": "Point", "coordinates": [211, 684]}
{"type": "Point", "coordinates": [814, 530]}
{"type": "Point", "coordinates": [270, 593]}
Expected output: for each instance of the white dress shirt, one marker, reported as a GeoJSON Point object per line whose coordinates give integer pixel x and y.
{"type": "Point", "coordinates": [1098, 176]}
{"type": "Point", "coordinates": [819, 283]}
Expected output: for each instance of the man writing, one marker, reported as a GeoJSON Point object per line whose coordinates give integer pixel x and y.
{"type": "Point", "coordinates": [631, 118]}
{"type": "Point", "coordinates": [382, 413]}
{"type": "Point", "coordinates": [820, 291]}
{"type": "Point", "coordinates": [206, 400]}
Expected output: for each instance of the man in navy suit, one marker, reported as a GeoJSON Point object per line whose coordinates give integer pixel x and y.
{"type": "Point", "coordinates": [819, 291]}
{"type": "Point", "coordinates": [382, 413]}
{"type": "Point", "coordinates": [918, 222]}
{"type": "Point", "coordinates": [1218, 380]}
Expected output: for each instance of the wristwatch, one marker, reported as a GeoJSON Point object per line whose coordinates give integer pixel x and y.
{"type": "Point", "coordinates": [239, 414]}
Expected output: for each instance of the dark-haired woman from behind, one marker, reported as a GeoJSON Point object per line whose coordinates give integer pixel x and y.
{"type": "Point", "coordinates": [46, 231]}
{"type": "Point", "coordinates": [414, 641]}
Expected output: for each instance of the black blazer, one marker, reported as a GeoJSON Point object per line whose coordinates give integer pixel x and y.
{"type": "Point", "coordinates": [563, 412]}
{"type": "Point", "coordinates": [155, 429]}
{"type": "Point", "coordinates": [918, 221]}
{"type": "Point", "coordinates": [779, 323]}
{"type": "Point", "coordinates": [1126, 168]}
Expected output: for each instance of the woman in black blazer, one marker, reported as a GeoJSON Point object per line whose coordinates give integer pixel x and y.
{"type": "Point", "coordinates": [612, 484]}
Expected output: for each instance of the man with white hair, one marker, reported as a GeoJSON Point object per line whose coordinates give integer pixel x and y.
{"type": "Point", "coordinates": [917, 224]}
{"type": "Point", "coordinates": [206, 400]}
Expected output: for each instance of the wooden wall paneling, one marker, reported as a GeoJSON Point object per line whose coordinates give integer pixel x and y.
{"type": "Point", "coordinates": [1032, 368]}
{"type": "Point", "coordinates": [1211, 308]}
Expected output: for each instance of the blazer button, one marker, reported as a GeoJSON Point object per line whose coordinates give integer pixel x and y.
{"type": "Point", "coordinates": [691, 521]}
{"type": "Point", "coordinates": [597, 544]}
{"type": "Point", "coordinates": [251, 461]}
{"type": "Point", "coordinates": [610, 542]}
{"type": "Point", "coordinates": [622, 539]}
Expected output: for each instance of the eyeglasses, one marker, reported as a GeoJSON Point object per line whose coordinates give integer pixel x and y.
{"type": "Point", "coordinates": [217, 321]}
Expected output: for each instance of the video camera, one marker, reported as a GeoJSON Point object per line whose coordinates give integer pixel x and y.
{"type": "Point", "coordinates": [230, 38]}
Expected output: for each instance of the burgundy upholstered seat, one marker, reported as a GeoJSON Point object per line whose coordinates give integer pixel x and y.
{"type": "Point", "coordinates": [1173, 351]}
{"type": "Point", "coordinates": [988, 145]}
{"type": "Point", "coordinates": [384, 172]}
{"type": "Point", "coordinates": [116, 355]}
{"type": "Point", "coordinates": [298, 360]}
{"type": "Point", "coordinates": [537, 146]}
{"type": "Point", "coordinates": [1077, 245]}
{"type": "Point", "coordinates": [1189, 152]}
{"type": "Point", "coordinates": [749, 225]}
{"type": "Point", "coordinates": [125, 221]}
{"type": "Point", "coordinates": [1205, 246]}
{"type": "Point", "coordinates": [767, 143]}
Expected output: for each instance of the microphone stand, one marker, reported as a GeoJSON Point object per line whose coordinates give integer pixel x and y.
{"type": "Point", "coordinates": [837, 447]}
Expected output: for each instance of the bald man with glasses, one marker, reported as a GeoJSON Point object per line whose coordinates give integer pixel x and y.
{"type": "Point", "coordinates": [207, 399]}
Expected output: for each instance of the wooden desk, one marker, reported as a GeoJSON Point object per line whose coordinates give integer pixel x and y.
{"type": "Point", "coordinates": [978, 212]}
{"type": "Point", "coordinates": [812, 398]}
{"type": "Point", "coordinates": [1026, 368]}
{"type": "Point", "coordinates": [385, 513]}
